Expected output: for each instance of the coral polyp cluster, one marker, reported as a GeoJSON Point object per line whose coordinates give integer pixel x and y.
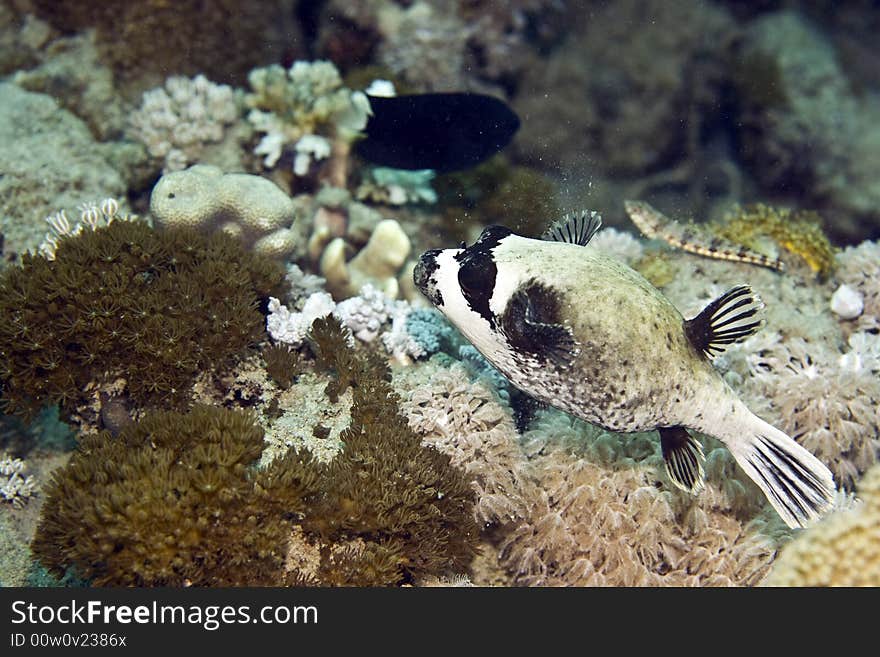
{"type": "Point", "coordinates": [125, 301]}
{"type": "Point", "coordinates": [178, 499]}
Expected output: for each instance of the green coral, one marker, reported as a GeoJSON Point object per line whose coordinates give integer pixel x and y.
{"type": "Point", "coordinates": [798, 232]}
{"type": "Point", "coordinates": [177, 499]}
{"type": "Point", "coordinates": [127, 301]}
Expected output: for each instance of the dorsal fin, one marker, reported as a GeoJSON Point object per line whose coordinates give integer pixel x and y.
{"type": "Point", "coordinates": [732, 317]}
{"type": "Point", "coordinates": [575, 228]}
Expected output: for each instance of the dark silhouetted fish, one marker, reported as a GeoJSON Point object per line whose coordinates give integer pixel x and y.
{"type": "Point", "coordinates": [443, 132]}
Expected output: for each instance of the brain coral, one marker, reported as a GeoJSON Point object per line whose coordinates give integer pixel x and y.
{"type": "Point", "coordinates": [841, 550]}
{"type": "Point", "coordinates": [248, 207]}
{"type": "Point", "coordinates": [126, 301]}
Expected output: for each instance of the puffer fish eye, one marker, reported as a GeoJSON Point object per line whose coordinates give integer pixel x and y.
{"type": "Point", "coordinates": [473, 273]}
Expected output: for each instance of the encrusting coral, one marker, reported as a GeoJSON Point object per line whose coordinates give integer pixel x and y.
{"type": "Point", "coordinates": [843, 549]}
{"type": "Point", "coordinates": [799, 233]}
{"type": "Point", "coordinates": [127, 304]}
{"type": "Point", "coordinates": [248, 207]}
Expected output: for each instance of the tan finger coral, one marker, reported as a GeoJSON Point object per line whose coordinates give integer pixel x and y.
{"type": "Point", "coordinates": [842, 550]}
{"type": "Point", "coordinates": [378, 263]}
{"type": "Point", "coordinates": [245, 206]}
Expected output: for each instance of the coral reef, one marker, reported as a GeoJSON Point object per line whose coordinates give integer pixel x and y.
{"type": "Point", "coordinates": [176, 121]}
{"type": "Point", "coordinates": [859, 268]}
{"type": "Point", "coordinates": [799, 233]}
{"type": "Point", "coordinates": [306, 109]}
{"type": "Point", "coordinates": [466, 421]}
{"type": "Point", "coordinates": [171, 501]}
{"type": "Point", "coordinates": [247, 207]}
{"type": "Point", "coordinates": [124, 303]}
{"type": "Point", "coordinates": [419, 508]}
{"type": "Point", "coordinates": [180, 502]}
{"type": "Point", "coordinates": [825, 399]}
{"type": "Point", "coordinates": [378, 263]}
{"type": "Point", "coordinates": [146, 39]}
{"type": "Point", "coordinates": [367, 315]}
{"type": "Point", "coordinates": [627, 83]}
{"type": "Point", "coordinates": [73, 74]}
{"type": "Point", "coordinates": [396, 186]}
{"type": "Point", "coordinates": [49, 160]}
{"type": "Point", "coordinates": [841, 550]}
{"type": "Point", "coordinates": [792, 93]}
{"type": "Point", "coordinates": [599, 518]}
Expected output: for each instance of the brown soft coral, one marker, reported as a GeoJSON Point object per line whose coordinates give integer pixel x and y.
{"type": "Point", "coordinates": [173, 501]}
{"type": "Point", "coordinates": [126, 302]}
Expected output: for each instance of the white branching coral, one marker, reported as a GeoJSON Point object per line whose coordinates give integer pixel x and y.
{"type": "Point", "coordinates": [16, 486]}
{"type": "Point", "coordinates": [369, 315]}
{"type": "Point", "coordinates": [303, 109]}
{"type": "Point", "coordinates": [293, 327]}
{"type": "Point", "coordinates": [175, 122]}
{"type": "Point", "coordinates": [92, 216]}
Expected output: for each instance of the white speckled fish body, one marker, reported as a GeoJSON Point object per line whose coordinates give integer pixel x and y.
{"type": "Point", "coordinates": [633, 367]}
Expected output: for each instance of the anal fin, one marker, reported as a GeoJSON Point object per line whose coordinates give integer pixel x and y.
{"type": "Point", "coordinates": [732, 317]}
{"type": "Point", "coordinates": [684, 458]}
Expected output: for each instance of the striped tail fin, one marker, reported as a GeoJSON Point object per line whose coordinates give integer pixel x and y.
{"type": "Point", "coordinates": [796, 483]}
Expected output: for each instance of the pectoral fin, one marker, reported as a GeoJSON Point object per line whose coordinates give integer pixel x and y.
{"type": "Point", "coordinates": [532, 325]}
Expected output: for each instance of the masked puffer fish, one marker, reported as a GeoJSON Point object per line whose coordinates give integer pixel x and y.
{"type": "Point", "coordinates": [585, 333]}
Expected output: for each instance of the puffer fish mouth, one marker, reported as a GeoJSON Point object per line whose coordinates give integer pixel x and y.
{"type": "Point", "coordinates": [424, 276]}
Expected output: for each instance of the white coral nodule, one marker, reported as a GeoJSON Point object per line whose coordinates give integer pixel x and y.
{"type": "Point", "coordinates": [16, 487]}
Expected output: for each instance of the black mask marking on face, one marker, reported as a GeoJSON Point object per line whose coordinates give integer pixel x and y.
{"type": "Point", "coordinates": [477, 271]}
